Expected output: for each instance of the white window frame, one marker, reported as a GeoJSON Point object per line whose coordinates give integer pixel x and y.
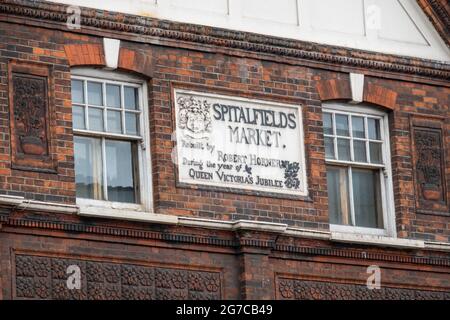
{"type": "Point", "coordinates": [387, 198]}
{"type": "Point", "coordinates": [143, 147]}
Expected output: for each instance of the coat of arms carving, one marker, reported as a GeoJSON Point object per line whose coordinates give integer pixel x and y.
{"type": "Point", "coordinates": [194, 117]}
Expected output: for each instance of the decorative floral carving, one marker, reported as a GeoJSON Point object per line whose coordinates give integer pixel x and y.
{"type": "Point", "coordinates": [166, 294]}
{"type": "Point", "coordinates": [321, 290]}
{"type": "Point", "coordinates": [95, 272]}
{"type": "Point", "coordinates": [137, 293]}
{"type": "Point", "coordinates": [429, 164]}
{"type": "Point", "coordinates": [179, 279]}
{"type": "Point", "coordinates": [42, 288]}
{"type": "Point", "coordinates": [212, 281]}
{"type": "Point", "coordinates": [112, 273]}
{"type": "Point", "coordinates": [30, 110]}
{"type": "Point", "coordinates": [130, 275]}
{"type": "Point", "coordinates": [163, 278]}
{"type": "Point", "coordinates": [286, 289]}
{"type": "Point", "coordinates": [24, 266]}
{"type": "Point", "coordinates": [24, 288]}
{"type": "Point", "coordinates": [41, 266]}
{"type": "Point", "coordinates": [291, 174]}
{"type": "Point", "coordinates": [196, 282]}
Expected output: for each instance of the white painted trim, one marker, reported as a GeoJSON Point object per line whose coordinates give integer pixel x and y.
{"type": "Point", "coordinates": [111, 49]}
{"type": "Point", "coordinates": [441, 246]}
{"type": "Point", "coordinates": [10, 200]}
{"type": "Point", "coordinates": [48, 207]}
{"type": "Point", "coordinates": [233, 225]}
{"type": "Point", "coordinates": [307, 233]}
{"type": "Point", "coordinates": [377, 240]}
{"type": "Point", "coordinates": [205, 223]}
{"type": "Point", "coordinates": [119, 76]}
{"type": "Point", "coordinates": [23, 204]}
{"type": "Point", "coordinates": [144, 156]}
{"type": "Point", "coordinates": [102, 204]}
{"type": "Point", "coordinates": [357, 230]}
{"type": "Point", "coordinates": [387, 187]}
{"type": "Point", "coordinates": [259, 226]}
{"type": "Point", "coordinates": [282, 229]}
{"type": "Point", "coordinates": [357, 87]}
{"type": "Point", "coordinates": [111, 213]}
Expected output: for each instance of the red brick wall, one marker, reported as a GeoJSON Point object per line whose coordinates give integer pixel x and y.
{"type": "Point", "coordinates": [220, 73]}
{"type": "Point", "coordinates": [42, 46]}
{"type": "Point", "coordinates": [33, 265]}
{"type": "Point", "coordinates": [247, 264]}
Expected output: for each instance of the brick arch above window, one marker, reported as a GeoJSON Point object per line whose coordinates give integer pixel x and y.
{"type": "Point", "coordinates": [85, 55]}
{"type": "Point", "coordinates": [340, 89]}
{"type": "Point", "coordinates": [79, 55]}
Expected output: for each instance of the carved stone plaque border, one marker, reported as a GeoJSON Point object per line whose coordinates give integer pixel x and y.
{"type": "Point", "coordinates": [31, 116]}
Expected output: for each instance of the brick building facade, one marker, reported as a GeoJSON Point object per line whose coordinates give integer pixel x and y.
{"type": "Point", "coordinates": [203, 242]}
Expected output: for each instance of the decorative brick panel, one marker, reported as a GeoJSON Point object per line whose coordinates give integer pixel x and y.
{"type": "Point", "coordinates": [38, 277]}
{"type": "Point", "coordinates": [293, 289]}
{"type": "Point", "coordinates": [429, 165]}
{"type": "Point", "coordinates": [249, 65]}
{"type": "Point", "coordinates": [31, 108]}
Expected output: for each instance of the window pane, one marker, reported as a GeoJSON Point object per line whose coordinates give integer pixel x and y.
{"type": "Point", "coordinates": [375, 152]}
{"type": "Point", "coordinates": [367, 198]}
{"type": "Point", "coordinates": [120, 171]}
{"type": "Point", "coordinates": [338, 196]}
{"type": "Point", "coordinates": [358, 127]}
{"type": "Point", "coordinates": [327, 123]}
{"type": "Point", "coordinates": [113, 96]}
{"type": "Point", "coordinates": [131, 123]}
{"type": "Point", "coordinates": [88, 168]}
{"type": "Point", "coordinates": [341, 125]}
{"type": "Point", "coordinates": [96, 119]}
{"type": "Point", "coordinates": [114, 121]}
{"type": "Point", "coordinates": [95, 93]}
{"type": "Point", "coordinates": [359, 151]}
{"type": "Point", "coordinates": [343, 146]}
{"type": "Point", "coordinates": [329, 148]}
{"type": "Point", "coordinates": [374, 129]}
{"type": "Point", "coordinates": [78, 117]}
{"type": "Point", "coordinates": [77, 91]}
{"type": "Point", "coordinates": [131, 98]}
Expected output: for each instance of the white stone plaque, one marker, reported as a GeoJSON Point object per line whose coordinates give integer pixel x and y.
{"type": "Point", "coordinates": [237, 143]}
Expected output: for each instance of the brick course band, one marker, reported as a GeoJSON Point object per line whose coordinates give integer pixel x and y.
{"type": "Point", "coordinates": [231, 39]}
{"type": "Point", "coordinates": [218, 242]}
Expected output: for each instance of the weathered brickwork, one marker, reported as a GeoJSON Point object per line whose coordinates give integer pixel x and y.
{"type": "Point", "coordinates": [195, 263]}
{"type": "Point", "coordinates": [317, 290]}
{"type": "Point", "coordinates": [23, 44]}
{"type": "Point", "coordinates": [46, 278]}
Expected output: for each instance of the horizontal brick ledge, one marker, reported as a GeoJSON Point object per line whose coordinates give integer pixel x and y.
{"type": "Point", "coordinates": [171, 30]}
